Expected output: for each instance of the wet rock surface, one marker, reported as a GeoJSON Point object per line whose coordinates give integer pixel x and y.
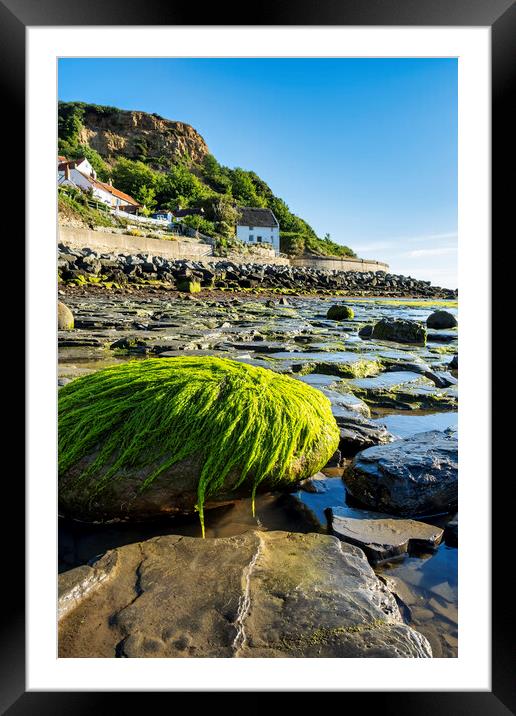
{"type": "Point", "coordinates": [441, 319]}
{"type": "Point", "coordinates": [382, 537]}
{"type": "Point", "coordinates": [151, 321]}
{"type": "Point", "coordinates": [275, 594]}
{"type": "Point", "coordinates": [404, 390]}
{"type": "Point", "coordinates": [399, 330]}
{"type": "Point", "coordinates": [414, 476]}
{"type": "Point", "coordinates": [358, 433]}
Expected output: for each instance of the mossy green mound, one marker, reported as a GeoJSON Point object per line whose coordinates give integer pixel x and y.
{"type": "Point", "coordinates": [248, 426]}
{"type": "Point", "coordinates": [340, 312]}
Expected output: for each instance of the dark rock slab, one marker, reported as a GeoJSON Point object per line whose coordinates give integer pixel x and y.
{"type": "Point", "coordinates": [439, 336]}
{"type": "Point", "coordinates": [414, 476]}
{"type": "Point", "coordinates": [358, 433]}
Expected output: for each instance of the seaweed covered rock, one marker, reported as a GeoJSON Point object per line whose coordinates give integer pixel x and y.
{"type": "Point", "coordinates": [441, 319]}
{"type": "Point", "coordinates": [64, 317]}
{"type": "Point", "coordinates": [399, 330]}
{"type": "Point", "coordinates": [340, 312]}
{"type": "Point", "coordinates": [175, 435]}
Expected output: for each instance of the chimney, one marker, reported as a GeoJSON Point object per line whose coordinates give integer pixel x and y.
{"type": "Point", "coordinates": [67, 171]}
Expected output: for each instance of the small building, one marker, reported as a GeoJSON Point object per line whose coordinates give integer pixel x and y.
{"type": "Point", "coordinates": [162, 215]}
{"type": "Point", "coordinates": [80, 174]}
{"type": "Point", "coordinates": [81, 164]}
{"type": "Point", "coordinates": [258, 226]}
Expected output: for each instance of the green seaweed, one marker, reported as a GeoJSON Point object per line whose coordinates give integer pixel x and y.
{"type": "Point", "coordinates": [160, 411]}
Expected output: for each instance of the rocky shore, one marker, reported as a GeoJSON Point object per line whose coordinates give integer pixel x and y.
{"type": "Point", "coordinates": [84, 266]}
{"type": "Point", "coordinates": [357, 560]}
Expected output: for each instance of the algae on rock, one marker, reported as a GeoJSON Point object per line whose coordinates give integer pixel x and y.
{"type": "Point", "coordinates": [340, 312]}
{"type": "Point", "coordinates": [241, 424]}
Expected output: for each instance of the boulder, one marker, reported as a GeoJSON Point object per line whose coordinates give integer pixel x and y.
{"type": "Point", "coordinates": [259, 594]}
{"type": "Point", "coordinates": [399, 330]}
{"type": "Point", "coordinates": [414, 476]}
{"type": "Point", "coordinates": [382, 537]}
{"type": "Point", "coordinates": [454, 363]}
{"type": "Point", "coordinates": [340, 312]}
{"type": "Point", "coordinates": [64, 317]}
{"type": "Point", "coordinates": [441, 319]}
{"type": "Point", "coordinates": [366, 331]}
{"type": "Point", "coordinates": [148, 438]}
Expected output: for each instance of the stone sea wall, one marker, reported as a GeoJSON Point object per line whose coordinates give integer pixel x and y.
{"type": "Point", "coordinates": [334, 264]}
{"type": "Point", "coordinates": [104, 242]}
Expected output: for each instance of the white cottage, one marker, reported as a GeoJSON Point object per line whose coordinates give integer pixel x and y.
{"type": "Point", "coordinates": [80, 173]}
{"type": "Point", "coordinates": [258, 226]}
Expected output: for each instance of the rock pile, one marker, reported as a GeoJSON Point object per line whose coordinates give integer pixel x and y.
{"type": "Point", "coordinates": [85, 266]}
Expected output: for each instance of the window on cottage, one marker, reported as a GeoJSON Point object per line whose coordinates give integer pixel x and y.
{"type": "Point", "coordinates": [259, 239]}
{"type": "Point", "coordinates": [251, 228]}
{"type": "Point", "coordinates": [251, 237]}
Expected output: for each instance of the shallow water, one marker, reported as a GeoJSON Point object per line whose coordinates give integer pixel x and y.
{"type": "Point", "coordinates": [425, 585]}
{"type": "Point", "coordinates": [402, 425]}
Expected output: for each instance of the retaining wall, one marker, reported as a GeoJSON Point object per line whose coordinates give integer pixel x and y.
{"type": "Point", "coordinates": [104, 242]}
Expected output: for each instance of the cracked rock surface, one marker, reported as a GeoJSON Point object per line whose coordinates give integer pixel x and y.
{"type": "Point", "coordinates": [259, 594]}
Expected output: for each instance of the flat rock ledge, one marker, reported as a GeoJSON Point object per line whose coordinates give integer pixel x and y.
{"type": "Point", "coordinates": [260, 594]}
{"type": "Point", "coordinates": [382, 537]}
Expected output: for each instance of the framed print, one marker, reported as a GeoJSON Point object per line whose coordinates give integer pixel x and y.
{"type": "Point", "coordinates": [246, 248]}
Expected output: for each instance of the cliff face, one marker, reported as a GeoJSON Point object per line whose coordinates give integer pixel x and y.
{"type": "Point", "coordinates": [137, 134]}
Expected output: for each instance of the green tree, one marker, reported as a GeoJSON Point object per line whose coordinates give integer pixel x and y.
{"type": "Point", "coordinates": [180, 184]}
{"type": "Point", "coordinates": [244, 190]}
{"type": "Point", "coordinates": [131, 177]}
{"type": "Point", "coordinates": [200, 224]}
{"type": "Point", "coordinates": [69, 122]}
{"type": "Point", "coordinates": [146, 197]}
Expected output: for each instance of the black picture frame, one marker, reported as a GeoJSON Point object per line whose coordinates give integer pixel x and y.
{"type": "Point", "coordinates": [500, 15]}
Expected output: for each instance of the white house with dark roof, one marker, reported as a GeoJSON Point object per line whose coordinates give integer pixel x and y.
{"type": "Point", "coordinates": [258, 226]}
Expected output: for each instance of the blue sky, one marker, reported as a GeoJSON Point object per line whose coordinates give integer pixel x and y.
{"type": "Point", "coordinates": [363, 149]}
